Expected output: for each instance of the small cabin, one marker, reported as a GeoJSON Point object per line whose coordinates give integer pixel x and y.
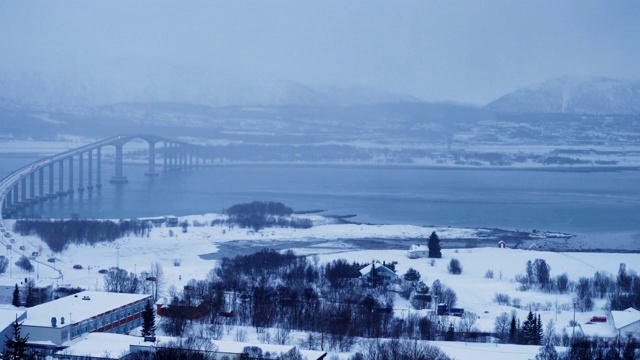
{"type": "Point", "coordinates": [502, 244]}
{"type": "Point", "coordinates": [171, 221]}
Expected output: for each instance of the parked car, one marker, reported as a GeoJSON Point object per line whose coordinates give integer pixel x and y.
{"type": "Point", "coordinates": [35, 253]}
{"type": "Point", "coordinates": [22, 247]}
{"type": "Point", "coordinates": [77, 266]}
{"type": "Point", "coordinates": [103, 271]}
{"type": "Point", "coordinates": [12, 240]}
{"type": "Point", "coordinates": [51, 260]}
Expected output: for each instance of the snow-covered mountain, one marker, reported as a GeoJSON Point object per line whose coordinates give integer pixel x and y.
{"type": "Point", "coordinates": [595, 95]}
{"type": "Point", "coordinates": [95, 90]}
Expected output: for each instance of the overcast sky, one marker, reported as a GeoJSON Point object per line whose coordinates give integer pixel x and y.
{"type": "Point", "coordinates": [465, 51]}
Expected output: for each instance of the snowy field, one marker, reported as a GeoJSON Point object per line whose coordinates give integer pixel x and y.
{"type": "Point", "coordinates": [194, 250]}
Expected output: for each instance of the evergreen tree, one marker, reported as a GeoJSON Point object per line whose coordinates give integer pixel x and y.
{"type": "Point", "coordinates": [16, 345]}
{"type": "Point", "coordinates": [539, 331]}
{"type": "Point", "coordinates": [434, 246]}
{"type": "Point", "coordinates": [15, 300]}
{"type": "Point", "coordinates": [628, 353]}
{"type": "Point", "coordinates": [513, 330]}
{"type": "Point", "coordinates": [529, 329]}
{"type": "Point", "coordinates": [30, 296]}
{"type": "Point", "coordinates": [148, 320]}
{"type": "Point", "coordinates": [547, 352]}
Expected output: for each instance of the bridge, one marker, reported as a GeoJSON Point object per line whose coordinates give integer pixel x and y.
{"type": "Point", "coordinates": [18, 189]}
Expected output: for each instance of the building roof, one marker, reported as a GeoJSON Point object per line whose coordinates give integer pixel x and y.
{"type": "Point", "coordinates": [74, 309]}
{"type": "Point", "coordinates": [7, 316]}
{"type": "Point", "coordinates": [625, 317]}
{"type": "Point", "coordinates": [367, 269]}
{"type": "Point", "coordinates": [101, 344]}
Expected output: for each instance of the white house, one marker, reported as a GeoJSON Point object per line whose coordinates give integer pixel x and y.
{"type": "Point", "coordinates": [626, 322]}
{"type": "Point", "coordinates": [418, 251]}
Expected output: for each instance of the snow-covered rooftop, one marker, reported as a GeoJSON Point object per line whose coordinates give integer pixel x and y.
{"type": "Point", "coordinates": [625, 317]}
{"type": "Point", "coordinates": [7, 316]}
{"type": "Point", "coordinates": [77, 308]}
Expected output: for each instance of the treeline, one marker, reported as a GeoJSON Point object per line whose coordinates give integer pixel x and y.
{"type": "Point", "coordinates": [622, 291]}
{"type": "Point", "coordinates": [280, 292]}
{"type": "Point", "coordinates": [260, 214]}
{"type": "Point", "coordinates": [60, 233]}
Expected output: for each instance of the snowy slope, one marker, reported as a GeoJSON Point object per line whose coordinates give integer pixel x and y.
{"type": "Point", "coordinates": [596, 95]}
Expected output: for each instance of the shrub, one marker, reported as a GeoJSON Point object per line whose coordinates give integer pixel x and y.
{"type": "Point", "coordinates": [489, 274]}
{"type": "Point", "coordinates": [24, 264]}
{"type": "Point", "coordinates": [502, 299]}
{"type": "Point", "coordinates": [454, 267]}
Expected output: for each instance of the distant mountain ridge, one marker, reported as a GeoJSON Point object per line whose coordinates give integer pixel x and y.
{"type": "Point", "coordinates": [595, 95]}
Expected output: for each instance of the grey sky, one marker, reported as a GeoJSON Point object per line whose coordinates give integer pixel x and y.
{"type": "Point", "coordinates": [467, 51]}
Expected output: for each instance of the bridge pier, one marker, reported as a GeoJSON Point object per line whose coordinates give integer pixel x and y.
{"type": "Point", "coordinates": [80, 172]}
{"type": "Point", "coordinates": [41, 194]}
{"type": "Point", "coordinates": [90, 173]}
{"type": "Point", "coordinates": [70, 191]}
{"type": "Point", "coordinates": [118, 178]}
{"type": "Point", "coordinates": [51, 193]}
{"type": "Point", "coordinates": [98, 167]}
{"type": "Point", "coordinates": [61, 191]}
{"type": "Point", "coordinates": [152, 160]}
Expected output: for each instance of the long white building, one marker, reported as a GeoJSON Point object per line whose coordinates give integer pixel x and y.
{"type": "Point", "coordinates": [67, 318]}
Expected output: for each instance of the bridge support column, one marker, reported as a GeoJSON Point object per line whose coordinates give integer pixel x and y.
{"type": "Point", "coordinates": [164, 159]}
{"type": "Point", "coordinates": [80, 172]}
{"type": "Point", "coordinates": [152, 160]}
{"type": "Point", "coordinates": [90, 173]}
{"type": "Point", "coordinates": [61, 178]}
{"type": "Point", "coordinates": [98, 168]}
{"type": "Point", "coordinates": [70, 191]}
{"type": "Point", "coordinates": [51, 193]}
{"type": "Point", "coordinates": [16, 195]}
{"type": "Point", "coordinates": [32, 187]}
{"type": "Point", "coordinates": [23, 190]}
{"type": "Point", "coordinates": [118, 178]}
{"type": "Point", "coordinates": [41, 195]}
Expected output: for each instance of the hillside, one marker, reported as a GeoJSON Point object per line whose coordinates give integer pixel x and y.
{"type": "Point", "coordinates": [595, 95]}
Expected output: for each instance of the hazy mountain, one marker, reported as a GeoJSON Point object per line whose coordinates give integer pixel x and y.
{"type": "Point", "coordinates": [62, 89]}
{"type": "Point", "coordinates": [596, 95]}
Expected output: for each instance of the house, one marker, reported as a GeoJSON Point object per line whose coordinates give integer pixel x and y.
{"type": "Point", "coordinates": [534, 247]}
{"type": "Point", "coordinates": [502, 244]}
{"type": "Point", "coordinates": [171, 221]}
{"type": "Point", "coordinates": [420, 298]}
{"type": "Point", "coordinates": [626, 323]}
{"type": "Point", "coordinates": [418, 251]}
{"type": "Point", "coordinates": [52, 324]}
{"type": "Point", "coordinates": [379, 270]}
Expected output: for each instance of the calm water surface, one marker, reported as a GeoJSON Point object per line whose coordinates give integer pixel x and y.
{"type": "Point", "coordinates": [582, 202]}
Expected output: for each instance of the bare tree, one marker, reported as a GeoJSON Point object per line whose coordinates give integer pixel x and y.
{"type": "Point", "coordinates": [156, 274]}
{"type": "Point", "coordinates": [501, 326]}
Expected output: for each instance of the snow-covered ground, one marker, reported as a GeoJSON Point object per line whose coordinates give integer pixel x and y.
{"type": "Point", "coordinates": [196, 248]}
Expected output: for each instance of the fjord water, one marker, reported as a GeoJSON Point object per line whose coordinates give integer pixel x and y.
{"type": "Point", "coordinates": [568, 201]}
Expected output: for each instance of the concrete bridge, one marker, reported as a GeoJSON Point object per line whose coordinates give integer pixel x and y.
{"type": "Point", "coordinates": [18, 189]}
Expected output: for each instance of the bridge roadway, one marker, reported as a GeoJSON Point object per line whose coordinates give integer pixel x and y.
{"type": "Point", "coordinates": [13, 187]}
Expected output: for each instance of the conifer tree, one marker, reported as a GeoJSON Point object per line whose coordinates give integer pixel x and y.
{"type": "Point", "coordinates": [16, 345]}
{"type": "Point", "coordinates": [529, 329]}
{"type": "Point", "coordinates": [15, 300]}
{"type": "Point", "coordinates": [148, 320]}
{"type": "Point", "coordinates": [434, 246]}
{"type": "Point", "coordinates": [513, 330]}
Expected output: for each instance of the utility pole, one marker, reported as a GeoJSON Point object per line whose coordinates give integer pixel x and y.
{"type": "Point", "coordinates": [573, 326]}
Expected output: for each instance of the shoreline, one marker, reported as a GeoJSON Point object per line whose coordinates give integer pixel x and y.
{"type": "Point", "coordinates": [370, 165]}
